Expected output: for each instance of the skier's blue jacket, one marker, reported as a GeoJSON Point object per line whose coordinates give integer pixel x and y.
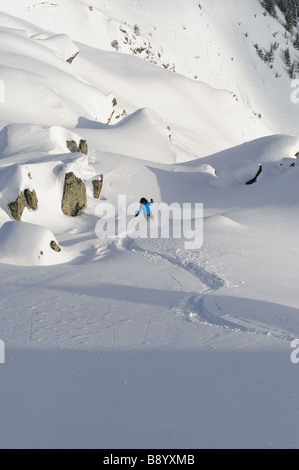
{"type": "Point", "coordinates": [145, 208]}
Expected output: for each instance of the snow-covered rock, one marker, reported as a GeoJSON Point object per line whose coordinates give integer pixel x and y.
{"type": "Point", "coordinates": [25, 244]}
{"type": "Point", "coordinates": [177, 104]}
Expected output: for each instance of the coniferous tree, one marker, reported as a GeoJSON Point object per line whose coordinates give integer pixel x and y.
{"type": "Point", "coordinates": [287, 57]}
{"type": "Point", "coordinates": [269, 6]}
{"type": "Point", "coordinates": [292, 70]}
{"type": "Point", "coordinates": [290, 9]}
{"type": "Point", "coordinates": [282, 5]}
{"type": "Point", "coordinates": [289, 21]}
{"type": "Point", "coordinates": [259, 51]}
{"type": "Point", "coordinates": [269, 56]}
{"type": "Point", "coordinates": [296, 42]}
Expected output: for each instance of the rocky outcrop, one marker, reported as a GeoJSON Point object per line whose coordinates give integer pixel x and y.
{"type": "Point", "coordinates": [253, 180]}
{"type": "Point", "coordinates": [70, 60]}
{"type": "Point", "coordinates": [74, 147]}
{"type": "Point", "coordinates": [74, 197]}
{"type": "Point", "coordinates": [83, 147]}
{"type": "Point", "coordinates": [97, 187]}
{"type": "Point", "coordinates": [26, 199]}
{"type": "Point", "coordinates": [31, 199]}
{"type": "Point", "coordinates": [54, 246]}
{"type": "Point", "coordinates": [17, 207]}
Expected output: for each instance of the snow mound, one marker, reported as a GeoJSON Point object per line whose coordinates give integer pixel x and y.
{"type": "Point", "coordinates": [16, 178]}
{"type": "Point", "coordinates": [47, 179]}
{"type": "Point", "coordinates": [221, 222]}
{"type": "Point", "coordinates": [267, 149]}
{"type": "Point", "coordinates": [277, 148]}
{"type": "Point", "coordinates": [34, 140]}
{"type": "Point", "coordinates": [25, 244]}
{"type": "Point", "coordinates": [28, 95]}
{"type": "Point", "coordinates": [61, 44]}
{"type": "Point", "coordinates": [237, 165]}
{"type": "Point", "coordinates": [237, 173]}
{"type": "Point", "coordinates": [142, 135]}
{"type": "Point", "coordinates": [40, 86]}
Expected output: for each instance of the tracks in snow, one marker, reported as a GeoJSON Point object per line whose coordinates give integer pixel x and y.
{"type": "Point", "coordinates": [191, 306]}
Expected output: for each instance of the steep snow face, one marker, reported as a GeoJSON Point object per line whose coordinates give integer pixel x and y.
{"type": "Point", "coordinates": [99, 87]}
{"type": "Point", "coordinates": [242, 29]}
{"type": "Point", "coordinates": [39, 84]}
{"type": "Point", "coordinates": [209, 41]}
{"type": "Point", "coordinates": [230, 92]}
{"type": "Point", "coordinates": [194, 111]}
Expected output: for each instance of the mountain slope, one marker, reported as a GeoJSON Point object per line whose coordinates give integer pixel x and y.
{"type": "Point", "coordinates": [213, 42]}
{"type": "Point", "coordinates": [104, 87]}
{"type": "Point", "coordinates": [130, 339]}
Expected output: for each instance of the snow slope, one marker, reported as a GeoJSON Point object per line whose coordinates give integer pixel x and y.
{"type": "Point", "coordinates": [141, 343]}
{"type": "Point", "coordinates": [213, 43]}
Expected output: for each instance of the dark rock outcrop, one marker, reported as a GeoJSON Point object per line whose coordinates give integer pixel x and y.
{"type": "Point", "coordinates": [31, 199]}
{"type": "Point", "coordinates": [253, 180]}
{"type": "Point", "coordinates": [17, 207]}
{"type": "Point", "coordinates": [54, 246]}
{"type": "Point", "coordinates": [97, 187]}
{"type": "Point", "coordinates": [83, 147]}
{"type": "Point", "coordinates": [74, 147]}
{"type": "Point", "coordinates": [70, 60]}
{"type": "Point", "coordinates": [74, 197]}
{"type": "Point", "coordinates": [26, 199]}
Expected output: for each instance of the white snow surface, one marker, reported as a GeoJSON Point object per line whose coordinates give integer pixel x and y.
{"type": "Point", "coordinates": [141, 343]}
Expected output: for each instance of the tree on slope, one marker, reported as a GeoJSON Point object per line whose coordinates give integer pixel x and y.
{"type": "Point", "coordinates": [290, 9]}
{"type": "Point", "coordinates": [287, 57]}
{"type": "Point", "coordinates": [292, 70]}
{"type": "Point", "coordinates": [269, 6]}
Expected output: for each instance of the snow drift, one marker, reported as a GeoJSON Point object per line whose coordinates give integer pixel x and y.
{"type": "Point", "coordinates": [26, 244]}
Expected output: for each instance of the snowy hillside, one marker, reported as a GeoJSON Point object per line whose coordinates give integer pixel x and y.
{"type": "Point", "coordinates": [165, 341]}
{"type": "Point", "coordinates": [213, 42]}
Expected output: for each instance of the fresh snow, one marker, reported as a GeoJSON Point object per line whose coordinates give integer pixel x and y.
{"type": "Point", "coordinates": [141, 343]}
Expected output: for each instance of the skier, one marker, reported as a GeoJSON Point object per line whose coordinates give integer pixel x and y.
{"type": "Point", "coordinates": [145, 207]}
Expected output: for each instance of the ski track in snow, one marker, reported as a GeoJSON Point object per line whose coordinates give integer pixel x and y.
{"type": "Point", "coordinates": [192, 307]}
